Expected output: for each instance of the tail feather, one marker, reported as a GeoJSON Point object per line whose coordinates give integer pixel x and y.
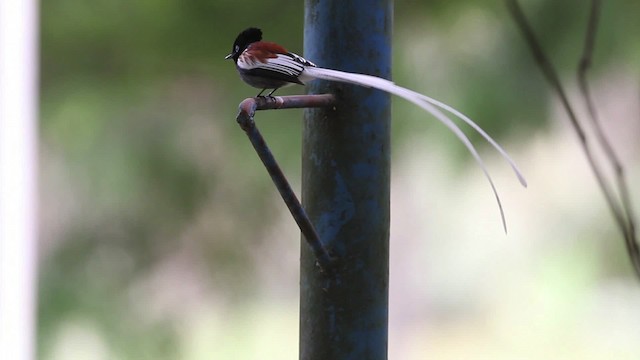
{"type": "Point", "coordinates": [428, 104]}
{"type": "Point", "coordinates": [486, 136]}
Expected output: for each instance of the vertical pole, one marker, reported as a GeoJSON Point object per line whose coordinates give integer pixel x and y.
{"type": "Point", "coordinates": [18, 166]}
{"type": "Point", "coordinates": [345, 184]}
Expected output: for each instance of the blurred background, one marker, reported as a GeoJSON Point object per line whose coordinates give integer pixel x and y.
{"type": "Point", "coordinates": [162, 236]}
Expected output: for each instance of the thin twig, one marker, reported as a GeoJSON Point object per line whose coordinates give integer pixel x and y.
{"type": "Point", "coordinates": [620, 216]}
{"type": "Point", "coordinates": [623, 190]}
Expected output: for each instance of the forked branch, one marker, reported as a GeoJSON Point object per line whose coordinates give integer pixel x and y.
{"type": "Point", "coordinates": [619, 199]}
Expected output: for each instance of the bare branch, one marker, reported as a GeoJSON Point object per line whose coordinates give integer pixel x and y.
{"type": "Point", "coordinates": [621, 213]}
{"type": "Point", "coordinates": [628, 230]}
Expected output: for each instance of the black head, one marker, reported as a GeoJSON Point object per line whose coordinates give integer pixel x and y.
{"type": "Point", "coordinates": [243, 40]}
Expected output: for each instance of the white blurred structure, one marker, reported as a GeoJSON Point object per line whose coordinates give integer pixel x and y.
{"type": "Point", "coordinates": [18, 164]}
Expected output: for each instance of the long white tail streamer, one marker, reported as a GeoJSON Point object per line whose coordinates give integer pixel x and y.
{"type": "Point", "coordinates": [428, 104]}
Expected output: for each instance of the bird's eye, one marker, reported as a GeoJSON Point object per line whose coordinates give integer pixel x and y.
{"type": "Point", "coordinates": [237, 48]}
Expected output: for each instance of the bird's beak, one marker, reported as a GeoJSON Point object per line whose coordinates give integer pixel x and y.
{"type": "Point", "coordinates": [228, 56]}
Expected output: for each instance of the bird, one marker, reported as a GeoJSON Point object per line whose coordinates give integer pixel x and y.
{"type": "Point", "coordinates": [268, 65]}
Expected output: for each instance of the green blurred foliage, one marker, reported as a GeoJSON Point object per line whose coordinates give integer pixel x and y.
{"type": "Point", "coordinates": [137, 109]}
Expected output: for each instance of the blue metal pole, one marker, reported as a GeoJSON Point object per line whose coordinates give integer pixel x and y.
{"type": "Point", "coordinates": [345, 184]}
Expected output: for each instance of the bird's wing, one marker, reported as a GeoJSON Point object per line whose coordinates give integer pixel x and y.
{"type": "Point", "coordinates": [286, 67]}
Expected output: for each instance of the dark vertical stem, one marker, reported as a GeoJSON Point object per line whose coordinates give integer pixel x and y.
{"type": "Point", "coordinates": [627, 223]}
{"type": "Point", "coordinates": [621, 213]}
{"type": "Point", "coordinates": [345, 184]}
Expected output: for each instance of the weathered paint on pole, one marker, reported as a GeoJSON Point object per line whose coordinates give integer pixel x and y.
{"type": "Point", "coordinates": [345, 184]}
